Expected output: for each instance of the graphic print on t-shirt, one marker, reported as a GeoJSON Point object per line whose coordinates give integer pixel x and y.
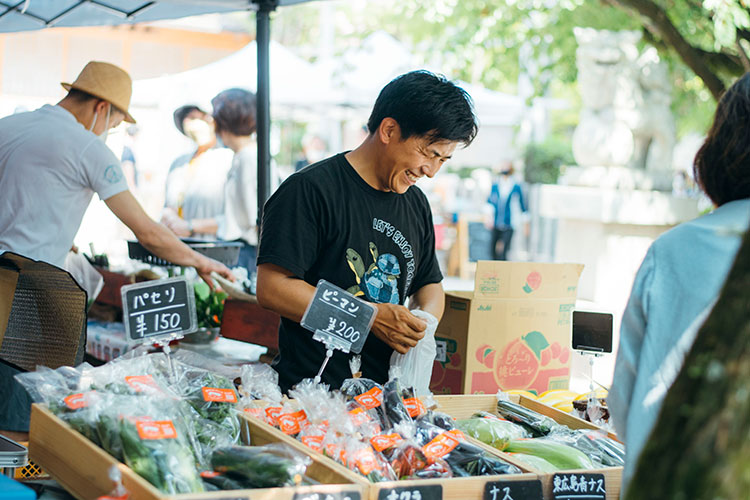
{"type": "Point", "coordinates": [378, 282]}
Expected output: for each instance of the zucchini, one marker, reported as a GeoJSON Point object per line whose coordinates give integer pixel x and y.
{"type": "Point", "coordinates": [258, 465]}
{"type": "Point", "coordinates": [538, 424]}
{"type": "Point", "coordinates": [559, 455]}
{"type": "Point", "coordinates": [535, 462]}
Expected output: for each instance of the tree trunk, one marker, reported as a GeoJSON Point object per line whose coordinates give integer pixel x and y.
{"type": "Point", "coordinates": [700, 446]}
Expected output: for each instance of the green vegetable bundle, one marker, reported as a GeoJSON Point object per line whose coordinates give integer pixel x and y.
{"type": "Point", "coordinates": [267, 466]}
{"type": "Point", "coordinates": [559, 455]}
{"type": "Point", "coordinates": [491, 430]}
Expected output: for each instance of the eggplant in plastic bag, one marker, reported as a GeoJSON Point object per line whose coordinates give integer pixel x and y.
{"type": "Point", "coordinates": [538, 424]}
{"type": "Point", "coordinates": [395, 410]}
{"type": "Point", "coordinates": [269, 466]}
{"type": "Point", "coordinates": [367, 393]}
{"type": "Point", "coordinates": [464, 458]}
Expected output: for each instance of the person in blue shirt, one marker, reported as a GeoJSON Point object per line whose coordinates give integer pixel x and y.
{"type": "Point", "coordinates": [501, 198]}
{"type": "Point", "coordinates": [680, 278]}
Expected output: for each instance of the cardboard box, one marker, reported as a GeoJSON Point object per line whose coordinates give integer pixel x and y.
{"type": "Point", "coordinates": [512, 332]}
{"type": "Point", "coordinates": [42, 314]}
{"type": "Point", "coordinates": [464, 406]}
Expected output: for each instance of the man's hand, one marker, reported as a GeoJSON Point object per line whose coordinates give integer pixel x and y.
{"type": "Point", "coordinates": [207, 266]}
{"type": "Point", "coordinates": [178, 226]}
{"type": "Point", "coordinates": [398, 327]}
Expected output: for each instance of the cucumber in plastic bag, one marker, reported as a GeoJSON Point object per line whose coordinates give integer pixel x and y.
{"type": "Point", "coordinates": [558, 454]}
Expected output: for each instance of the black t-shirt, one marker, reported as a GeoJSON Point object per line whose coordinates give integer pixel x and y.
{"type": "Point", "coordinates": [326, 222]}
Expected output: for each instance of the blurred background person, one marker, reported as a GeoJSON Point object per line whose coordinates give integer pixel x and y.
{"type": "Point", "coordinates": [680, 278]}
{"type": "Point", "coordinates": [128, 157]}
{"type": "Point", "coordinates": [314, 149]}
{"type": "Point", "coordinates": [234, 119]}
{"type": "Point", "coordinates": [195, 182]}
{"type": "Point", "coordinates": [504, 193]}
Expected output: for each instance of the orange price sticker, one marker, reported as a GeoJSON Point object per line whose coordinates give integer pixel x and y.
{"type": "Point", "coordinates": [442, 444]}
{"type": "Point", "coordinates": [384, 441]}
{"type": "Point", "coordinates": [313, 442]}
{"type": "Point", "coordinates": [255, 412]}
{"type": "Point", "coordinates": [292, 423]}
{"type": "Point", "coordinates": [359, 416]}
{"type": "Point", "coordinates": [217, 395]}
{"type": "Point", "coordinates": [371, 399]}
{"type": "Point", "coordinates": [210, 473]}
{"type": "Point", "coordinates": [365, 460]}
{"type": "Point", "coordinates": [272, 415]}
{"type": "Point", "coordinates": [414, 406]}
{"type": "Point", "coordinates": [155, 429]}
{"type": "Point", "coordinates": [141, 383]}
{"type": "Point", "coordinates": [77, 401]}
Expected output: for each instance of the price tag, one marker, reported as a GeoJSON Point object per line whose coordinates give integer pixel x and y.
{"type": "Point", "coordinates": [513, 490]}
{"type": "Point", "coordinates": [158, 310]}
{"type": "Point", "coordinates": [339, 495]}
{"type": "Point", "coordinates": [426, 492]}
{"type": "Point", "coordinates": [570, 486]}
{"type": "Point", "coordinates": [338, 318]}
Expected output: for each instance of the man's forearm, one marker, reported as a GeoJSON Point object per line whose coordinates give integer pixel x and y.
{"type": "Point", "coordinates": [163, 243]}
{"type": "Point", "coordinates": [279, 291]}
{"type": "Point", "coordinates": [430, 298]}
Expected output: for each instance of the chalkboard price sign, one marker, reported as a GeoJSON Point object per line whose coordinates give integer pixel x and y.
{"type": "Point", "coordinates": [158, 310]}
{"type": "Point", "coordinates": [426, 492]}
{"type": "Point", "coordinates": [339, 495]}
{"type": "Point", "coordinates": [513, 490]}
{"type": "Point", "coordinates": [338, 318]}
{"type": "Point", "coordinates": [570, 486]}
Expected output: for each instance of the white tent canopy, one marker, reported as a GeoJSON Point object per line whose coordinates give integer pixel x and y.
{"type": "Point", "coordinates": [294, 81]}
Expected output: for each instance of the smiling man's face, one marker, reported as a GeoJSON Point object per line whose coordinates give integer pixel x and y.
{"type": "Point", "coordinates": [411, 159]}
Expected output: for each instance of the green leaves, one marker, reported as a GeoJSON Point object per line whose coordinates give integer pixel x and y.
{"type": "Point", "coordinates": [209, 305]}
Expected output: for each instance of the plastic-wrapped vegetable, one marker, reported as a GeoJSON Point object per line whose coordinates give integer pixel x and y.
{"type": "Point", "coordinates": [366, 392]}
{"type": "Point", "coordinates": [212, 396]}
{"type": "Point", "coordinates": [361, 458]}
{"type": "Point", "coordinates": [269, 466]}
{"type": "Point", "coordinates": [395, 410]}
{"type": "Point", "coordinates": [414, 405]}
{"type": "Point", "coordinates": [492, 431]}
{"type": "Point", "coordinates": [464, 458]}
{"type": "Point", "coordinates": [596, 445]}
{"type": "Point", "coordinates": [538, 424]}
{"type": "Point", "coordinates": [556, 453]}
{"type": "Point", "coordinates": [535, 462]}
{"type": "Point", "coordinates": [406, 456]}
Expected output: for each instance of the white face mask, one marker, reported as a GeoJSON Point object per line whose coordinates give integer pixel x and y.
{"type": "Point", "coordinates": [199, 131]}
{"type": "Point", "coordinates": [103, 136]}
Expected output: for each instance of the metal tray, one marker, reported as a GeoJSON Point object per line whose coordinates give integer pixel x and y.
{"type": "Point", "coordinates": [226, 252]}
{"type": "Point", "coordinates": [12, 454]}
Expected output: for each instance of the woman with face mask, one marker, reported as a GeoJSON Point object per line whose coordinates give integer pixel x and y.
{"type": "Point", "coordinates": [195, 183]}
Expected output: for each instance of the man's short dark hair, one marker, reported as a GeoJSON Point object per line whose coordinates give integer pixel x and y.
{"type": "Point", "coordinates": [182, 112]}
{"type": "Point", "coordinates": [426, 105]}
{"type": "Point", "coordinates": [235, 111]}
{"type": "Point", "coordinates": [722, 164]}
{"type": "Point", "coordinates": [80, 96]}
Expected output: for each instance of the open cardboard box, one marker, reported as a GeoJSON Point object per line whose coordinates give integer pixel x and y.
{"type": "Point", "coordinates": [512, 332]}
{"type": "Point", "coordinates": [464, 406]}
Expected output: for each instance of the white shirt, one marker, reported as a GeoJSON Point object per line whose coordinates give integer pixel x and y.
{"type": "Point", "coordinates": [50, 167]}
{"type": "Point", "coordinates": [241, 198]}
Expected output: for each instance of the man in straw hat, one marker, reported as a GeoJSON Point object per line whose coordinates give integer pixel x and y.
{"type": "Point", "coordinates": [52, 161]}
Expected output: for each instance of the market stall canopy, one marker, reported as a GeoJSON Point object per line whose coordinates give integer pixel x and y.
{"type": "Point", "coordinates": [295, 82]}
{"type": "Point", "coordinates": [24, 15]}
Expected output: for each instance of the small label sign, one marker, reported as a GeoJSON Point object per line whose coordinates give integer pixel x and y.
{"type": "Point", "coordinates": [158, 310]}
{"type": "Point", "coordinates": [572, 486]}
{"type": "Point", "coordinates": [339, 495]}
{"type": "Point", "coordinates": [513, 490]}
{"type": "Point", "coordinates": [338, 318]}
{"type": "Point", "coordinates": [426, 492]}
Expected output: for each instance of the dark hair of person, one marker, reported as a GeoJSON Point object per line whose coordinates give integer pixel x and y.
{"type": "Point", "coordinates": [235, 111]}
{"type": "Point", "coordinates": [81, 96]}
{"type": "Point", "coordinates": [722, 164]}
{"type": "Point", "coordinates": [426, 105]}
{"type": "Point", "coordinates": [180, 114]}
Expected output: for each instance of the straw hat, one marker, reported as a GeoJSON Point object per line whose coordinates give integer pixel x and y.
{"type": "Point", "coordinates": [105, 81]}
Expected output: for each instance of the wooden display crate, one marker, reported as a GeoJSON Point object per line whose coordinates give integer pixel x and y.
{"type": "Point", "coordinates": [464, 488]}
{"type": "Point", "coordinates": [82, 468]}
{"type": "Point", "coordinates": [464, 406]}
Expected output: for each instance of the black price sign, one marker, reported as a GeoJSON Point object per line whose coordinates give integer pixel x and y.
{"type": "Point", "coordinates": [157, 310]}
{"type": "Point", "coordinates": [570, 486]}
{"type": "Point", "coordinates": [427, 492]}
{"type": "Point", "coordinates": [339, 495]}
{"type": "Point", "coordinates": [338, 318]}
{"type": "Point", "coordinates": [513, 490]}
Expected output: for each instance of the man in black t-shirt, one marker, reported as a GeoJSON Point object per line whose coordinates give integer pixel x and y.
{"type": "Point", "coordinates": [357, 220]}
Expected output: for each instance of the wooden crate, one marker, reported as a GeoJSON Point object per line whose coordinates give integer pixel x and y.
{"type": "Point", "coordinates": [464, 406]}
{"type": "Point", "coordinates": [82, 468]}
{"type": "Point", "coordinates": [465, 488]}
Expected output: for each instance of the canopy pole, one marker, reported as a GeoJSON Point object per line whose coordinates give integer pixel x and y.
{"type": "Point", "coordinates": [263, 41]}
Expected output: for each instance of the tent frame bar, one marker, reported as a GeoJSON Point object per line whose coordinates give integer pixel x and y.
{"type": "Point", "coordinates": [54, 20]}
